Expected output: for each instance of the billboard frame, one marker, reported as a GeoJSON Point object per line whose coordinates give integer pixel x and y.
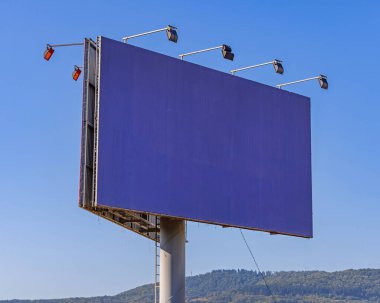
{"type": "Point", "coordinates": [147, 225]}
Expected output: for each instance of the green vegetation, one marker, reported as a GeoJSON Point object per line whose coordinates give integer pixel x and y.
{"type": "Point", "coordinates": [243, 286]}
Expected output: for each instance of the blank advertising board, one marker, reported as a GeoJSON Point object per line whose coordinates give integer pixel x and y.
{"type": "Point", "coordinates": [181, 140]}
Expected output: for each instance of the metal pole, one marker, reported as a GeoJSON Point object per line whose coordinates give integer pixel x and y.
{"type": "Point", "coordinates": [298, 81]}
{"type": "Point", "coordinates": [252, 66]}
{"type": "Point", "coordinates": [172, 259]}
{"type": "Point", "coordinates": [156, 264]}
{"type": "Point", "coordinates": [68, 44]}
{"type": "Point", "coordinates": [146, 33]}
{"type": "Point", "coordinates": [199, 51]}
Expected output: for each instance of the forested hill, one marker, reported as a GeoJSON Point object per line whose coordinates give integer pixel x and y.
{"type": "Point", "coordinates": [242, 286]}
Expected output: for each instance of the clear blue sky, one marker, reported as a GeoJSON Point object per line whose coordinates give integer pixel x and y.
{"type": "Point", "coordinates": [50, 248]}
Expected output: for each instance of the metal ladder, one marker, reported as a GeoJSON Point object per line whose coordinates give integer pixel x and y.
{"type": "Point", "coordinates": [157, 263]}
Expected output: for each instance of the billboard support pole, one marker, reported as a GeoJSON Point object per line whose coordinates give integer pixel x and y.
{"type": "Point", "coordinates": [172, 259]}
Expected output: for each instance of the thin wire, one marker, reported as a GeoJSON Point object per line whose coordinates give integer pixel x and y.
{"type": "Point", "coordinates": [257, 266]}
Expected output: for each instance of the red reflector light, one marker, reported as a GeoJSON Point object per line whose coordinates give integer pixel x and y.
{"type": "Point", "coordinates": [48, 53]}
{"type": "Point", "coordinates": [76, 73]}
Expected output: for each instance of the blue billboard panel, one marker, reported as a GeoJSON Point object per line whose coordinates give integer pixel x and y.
{"type": "Point", "coordinates": [180, 140]}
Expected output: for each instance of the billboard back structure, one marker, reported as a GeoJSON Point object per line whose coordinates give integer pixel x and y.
{"type": "Point", "coordinates": [165, 137]}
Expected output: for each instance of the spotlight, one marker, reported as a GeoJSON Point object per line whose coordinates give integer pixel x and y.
{"type": "Point", "coordinates": [76, 73]}
{"type": "Point", "coordinates": [323, 82]}
{"type": "Point", "coordinates": [227, 52]}
{"type": "Point", "coordinates": [171, 33]}
{"type": "Point", "coordinates": [48, 52]}
{"type": "Point", "coordinates": [278, 68]}
{"type": "Point", "coordinates": [277, 64]}
{"type": "Point", "coordinates": [321, 79]}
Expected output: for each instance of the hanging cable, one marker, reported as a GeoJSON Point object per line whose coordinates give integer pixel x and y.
{"type": "Point", "coordinates": [257, 266]}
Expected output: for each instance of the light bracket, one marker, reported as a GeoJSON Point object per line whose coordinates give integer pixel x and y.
{"type": "Point", "coordinates": [50, 49]}
{"type": "Point", "coordinates": [226, 52]}
{"type": "Point", "coordinates": [277, 64]}
{"type": "Point", "coordinates": [171, 32]}
{"type": "Point", "coordinates": [322, 79]}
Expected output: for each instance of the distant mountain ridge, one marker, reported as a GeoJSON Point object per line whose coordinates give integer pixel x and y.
{"type": "Point", "coordinates": [243, 286]}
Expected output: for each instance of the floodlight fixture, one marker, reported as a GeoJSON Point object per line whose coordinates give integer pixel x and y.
{"type": "Point", "coordinates": [48, 53]}
{"type": "Point", "coordinates": [226, 52]}
{"type": "Point", "coordinates": [322, 80]}
{"type": "Point", "coordinates": [50, 49]}
{"type": "Point", "coordinates": [171, 33]}
{"type": "Point", "coordinates": [278, 67]}
{"type": "Point", "coordinates": [77, 71]}
{"type": "Point", "coordinates": [277, 64]}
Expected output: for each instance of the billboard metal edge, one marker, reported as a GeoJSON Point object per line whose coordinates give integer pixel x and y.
{"type": "Point", "coordinates": [144, 224]}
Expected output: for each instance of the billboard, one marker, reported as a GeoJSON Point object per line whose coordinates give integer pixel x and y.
{"type": "Point", "coordinates": [172, 138]}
